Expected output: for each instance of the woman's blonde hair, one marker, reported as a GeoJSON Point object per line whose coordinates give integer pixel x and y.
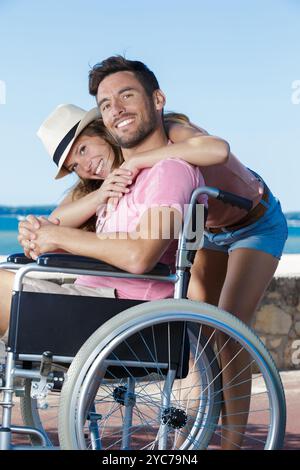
{"type": "Point", "coordinates": [97, 128]}
{"type": "Point", "coordinates": [86, 186]}
{"type": "Point", "coordinates": [179, 118]}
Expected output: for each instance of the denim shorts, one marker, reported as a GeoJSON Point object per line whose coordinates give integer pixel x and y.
{"type": "Point", "coordinates": [268, 234]}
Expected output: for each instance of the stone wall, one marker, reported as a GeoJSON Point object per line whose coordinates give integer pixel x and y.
{"type": "Point", "coordinates": [277, 321]}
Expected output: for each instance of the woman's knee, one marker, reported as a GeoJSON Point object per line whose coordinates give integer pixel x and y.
{"type": "Point", "coordinates": [207, 276]}
{"type": "Point", "coordinates": [196, 289]}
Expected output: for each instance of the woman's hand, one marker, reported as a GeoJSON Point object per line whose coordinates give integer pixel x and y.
{"type": "Point", "coordinates": [114, 185]}
{"type": "Point", "coordinates": [131, 167]}
{"type": "Point", "coordinates": [134, 165]}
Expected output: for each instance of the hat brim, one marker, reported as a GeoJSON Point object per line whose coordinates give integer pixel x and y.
{"type": "Point", "coordinates": [90, 116]}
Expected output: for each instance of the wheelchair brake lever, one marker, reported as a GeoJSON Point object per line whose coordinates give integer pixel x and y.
{"type": "Point", "coordinates": [40, 389]}
{"type": "Point", "coordinates": [46, 363]}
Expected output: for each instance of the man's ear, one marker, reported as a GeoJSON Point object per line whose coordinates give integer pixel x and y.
{"type": "Point", "coordinates": [159, 99]}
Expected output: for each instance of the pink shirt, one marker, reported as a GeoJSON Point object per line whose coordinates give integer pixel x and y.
{"type": "Point", "coordinates": [233, 177]}
{"type": "Point", "coordinates": [168, 183]}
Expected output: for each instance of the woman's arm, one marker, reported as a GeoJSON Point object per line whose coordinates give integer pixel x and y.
{"type": "Point", "coordinates": [190, 143]}
{"type": "Point", "coordinates": [75, 213]}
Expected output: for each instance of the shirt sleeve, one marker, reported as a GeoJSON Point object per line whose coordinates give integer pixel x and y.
{"type": "Point", "coordinates": [170, 183]}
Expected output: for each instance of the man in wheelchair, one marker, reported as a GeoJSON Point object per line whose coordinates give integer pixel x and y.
{"type": "Point", "coordinates": [143, 229]}
{"type": "Point", "coordinates": [139, 233]}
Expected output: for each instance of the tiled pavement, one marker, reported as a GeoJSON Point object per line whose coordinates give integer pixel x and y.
{"type": "Point", "coordinates": [291, 382]}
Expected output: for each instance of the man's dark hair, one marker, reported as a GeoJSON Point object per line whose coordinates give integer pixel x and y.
{"type": "Point", "coordinates": [119, 64]}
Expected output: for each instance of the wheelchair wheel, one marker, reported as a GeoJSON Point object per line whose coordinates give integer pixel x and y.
{"type": "Point", "coordinates": [112, 400]}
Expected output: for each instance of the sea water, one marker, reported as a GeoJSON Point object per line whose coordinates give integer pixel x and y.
{"type": "Point", "coordinates": [9, 229]}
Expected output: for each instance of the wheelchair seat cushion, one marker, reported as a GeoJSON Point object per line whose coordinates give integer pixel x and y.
{"type": "Point", "coordinates": [49, 287]}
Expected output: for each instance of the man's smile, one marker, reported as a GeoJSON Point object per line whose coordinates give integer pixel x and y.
{"type": "Point", "coordinates": [124, 122]}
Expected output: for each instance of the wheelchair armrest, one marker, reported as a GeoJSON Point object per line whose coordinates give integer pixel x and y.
{"type": "Point", "coordinates": [62, 260]}
{"type": "Point", "coordinates": [19, 258]}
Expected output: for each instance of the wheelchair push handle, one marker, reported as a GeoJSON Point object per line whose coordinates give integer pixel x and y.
{"type": "Point", "coordinates": [234, 200]}
{"type": "Point", "coordinates": [224, 196]}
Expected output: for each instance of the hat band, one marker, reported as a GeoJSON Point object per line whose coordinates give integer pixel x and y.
{"type": "Point", "coordinates": [64, 144]}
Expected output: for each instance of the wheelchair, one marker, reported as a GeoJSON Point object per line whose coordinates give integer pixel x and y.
{"type": "Point", "coordinates": [106, 374]}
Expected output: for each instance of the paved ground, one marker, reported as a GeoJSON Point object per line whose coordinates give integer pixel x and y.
{"type": "Point", "coordinates": [291, 382]}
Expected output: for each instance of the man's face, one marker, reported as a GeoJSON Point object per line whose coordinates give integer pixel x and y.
{"type": "Point", "coordinates": [127, 112]}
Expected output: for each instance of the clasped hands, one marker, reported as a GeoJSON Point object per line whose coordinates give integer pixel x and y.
{"type": "Point", "coordinates": [38, 235]}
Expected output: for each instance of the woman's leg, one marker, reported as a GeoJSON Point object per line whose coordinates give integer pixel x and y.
{"type": "Point", "coordinates": [249, 273]}
{"type": "Point", "coordinates": [235, 284]}
{"type": "Point", "coordinates": [208, 275]}
{"type": "Point", "coordinates": [6, 285]}
{"type": "Point", "coordinates": [207, 278]}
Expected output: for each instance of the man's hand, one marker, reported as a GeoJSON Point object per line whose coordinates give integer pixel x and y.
{"type": "Point", "coordinates": [28, 233]}
{"type": "Point", "coordinates": [46, 239]}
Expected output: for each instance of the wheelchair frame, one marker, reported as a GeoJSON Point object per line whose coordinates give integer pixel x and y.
{"type": "Point", "coordinates": [56, 263]}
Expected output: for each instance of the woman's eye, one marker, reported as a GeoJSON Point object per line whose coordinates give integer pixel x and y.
{"type": "Point", "coordinates": [82, 150]}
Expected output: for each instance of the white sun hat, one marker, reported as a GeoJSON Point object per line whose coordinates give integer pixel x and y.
{"type": "Point", "coordinates": [59, 131]}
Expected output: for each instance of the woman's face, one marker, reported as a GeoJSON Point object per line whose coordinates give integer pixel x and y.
{"type": "Point", "coordinates": [90, 158]}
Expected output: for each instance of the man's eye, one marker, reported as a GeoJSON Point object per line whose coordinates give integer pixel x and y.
{"type": "Point", "coordinates": [128, 95]}
{"type": "Point", "coordinates": [105, 107]}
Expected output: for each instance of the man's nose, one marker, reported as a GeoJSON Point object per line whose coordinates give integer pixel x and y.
{"type": "Point", "coordinates": [118, 108]}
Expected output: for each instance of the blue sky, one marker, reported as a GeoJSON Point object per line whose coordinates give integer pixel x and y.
{"type": "Point", "coordinates": [230, 65]}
